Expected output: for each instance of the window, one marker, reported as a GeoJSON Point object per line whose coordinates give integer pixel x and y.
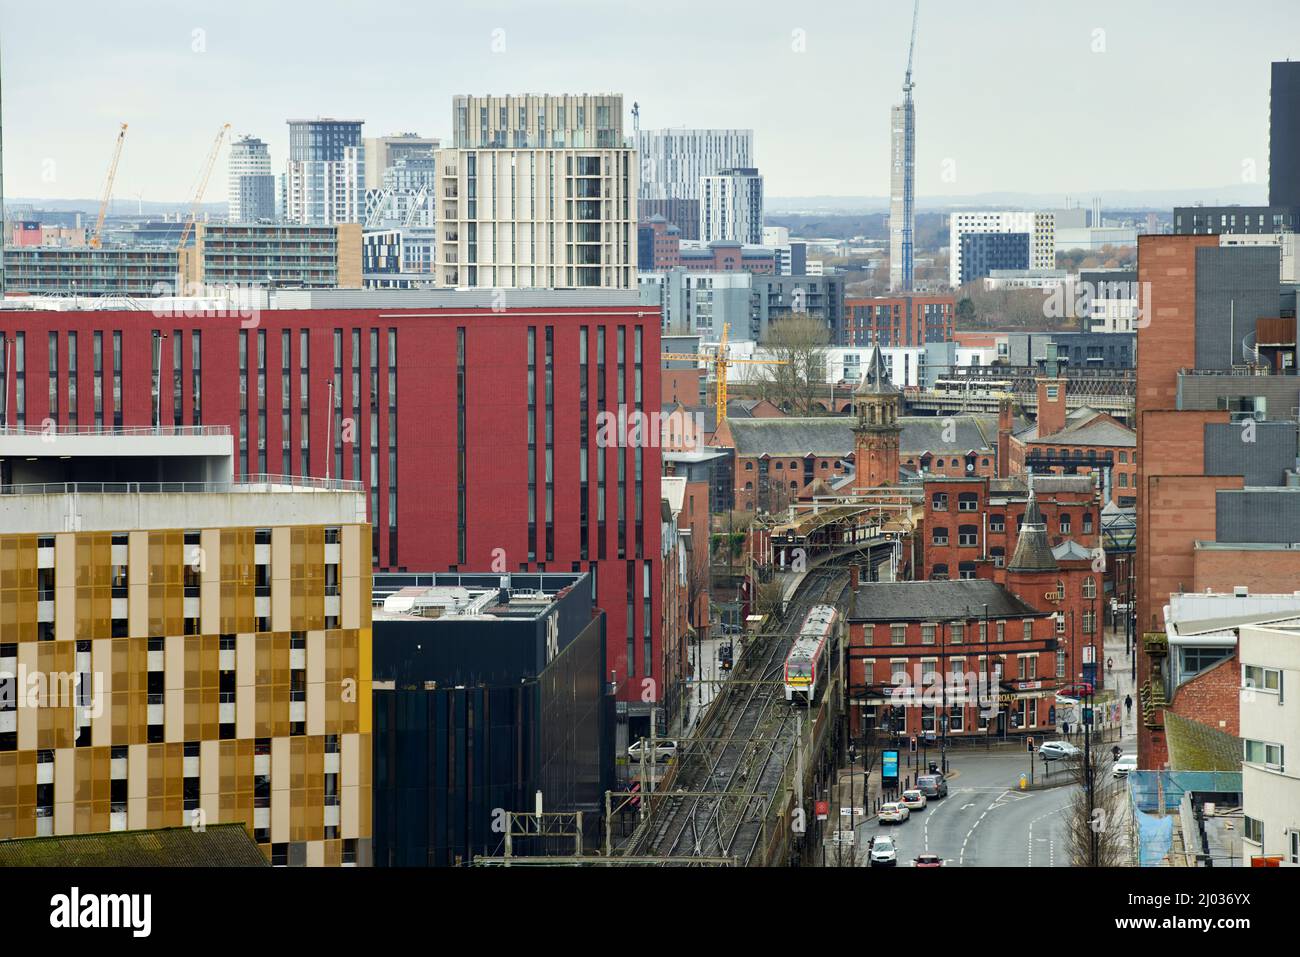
{"type": "Point", "coordinates": [1254, 830]}
{"type": "Point", "coordinates": [927, 634]}
{"type": "Point", "coordinates": [999, 557]}
{"type": "Point", "coordinates": [1027, 631]}
{"type": "Point", "coordinates": [1262, 752]}
{"type": "Point", "coordinates": [966, 571]}
{"type": "Point", "coordinates": [997, 523]}
{"type": "Point", "coordinates": [939, 536]}
{"type": "Point", "coordinates": [939, 573]}
{"type": "Point", "coordinates": [898, 634]}
{"type": "Point", "coordinates": [939, 501]}
{"type": "Point", "coordinates": [1087, 523]}
{"type": "Point", "coordinates": [1060, 590]}
{"type": "Point", "coordinates": [968, 502]}
{"type": "Point", "coordinates": [968, 535]}
{"type": "Point", "coordinates": [1065, 523]}
{"type": "Point", "coordinates": [1090, 587]}
{"type": "Point", "coordinates": [1261, 679]}
{"type": "Point", "coordinates": [1060, 662]}
{"type": "Point", "coordinates": [958, 632]}
{"type": "Point", "coordinates": [1002, 631]}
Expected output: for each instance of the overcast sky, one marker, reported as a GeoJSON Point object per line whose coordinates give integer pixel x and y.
{"type": "Point", "coordinates": [1069, 98]}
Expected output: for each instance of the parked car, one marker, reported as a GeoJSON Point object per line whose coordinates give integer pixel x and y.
{"type": "Point", "coordinates": [1079, 689]}
{"type": "Point", "coordinates": [1052, 750]}
{"type": "Point", "coordinates": [1123, 765]}
{"type": "Point", "coordinates": [933, 785]}
{"type": "Point", "coordinates": [731, 628]}
{"type": "Point", "coordinates": [893, 812]}
{"type": "Point", "coordinates": [883, 853]}
{"type": "Point", "coordinates": [663, 750]}
{"type": "Point", "coordinates": [927, 860]}
{"type": "Point", "coordinates": [913, 800]}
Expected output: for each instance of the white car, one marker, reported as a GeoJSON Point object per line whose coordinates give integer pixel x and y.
{"type": "Point", "coordinates": [1123, 765]}
{"type": "Point", "coordinates": [1051, 750]}
{"type": "Point", "coordinates": [663, 750]}
{"type": "Point", "coordinates": [893, 811]}
{"type": "Point", "coordinates": [883, 853]}
{"type": "Point", "coordinates": [913, 800]}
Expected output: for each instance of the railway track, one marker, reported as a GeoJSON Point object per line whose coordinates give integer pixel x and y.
{"type": "Point", "coordinates": [731, 767]}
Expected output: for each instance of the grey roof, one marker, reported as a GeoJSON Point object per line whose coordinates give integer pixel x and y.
{"type": "Point", "coordinates": [833, 435]}
{"type": "Point", "coordinates": [1070, 550]}
{"type": "Point", "coordinates": [931, 601]}
{"type": "Point", "coordinates": [1049, 484]}
{"type": "Point", "coordinates": [875, 379]}
{"type": "Point", "coordinates": [1032, 551]}
{"type": "Point", "coordinates": [1084, 426]}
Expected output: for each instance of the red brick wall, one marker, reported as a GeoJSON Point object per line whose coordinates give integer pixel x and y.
{"type": "Point", "coordinates": [1272, 572]}
{"type": "Point", "coordinates": [1169, 444]}
{"type": "Point", "coordinates": [1212, 697]}
{"type": "Point", "coordinates": [1051, 412]}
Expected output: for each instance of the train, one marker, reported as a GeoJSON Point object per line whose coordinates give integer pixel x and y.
{"type": "Point", "coordinates": [809, 660]}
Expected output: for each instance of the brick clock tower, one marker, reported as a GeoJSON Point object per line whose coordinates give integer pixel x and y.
{"type": "Point", "coordinates": [876, 403]}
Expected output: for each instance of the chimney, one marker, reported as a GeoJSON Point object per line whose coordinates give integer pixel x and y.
{"type": "Point", "coordinates": [1005, 424]}
{"type": "Point", "coordinates": [853, 578]}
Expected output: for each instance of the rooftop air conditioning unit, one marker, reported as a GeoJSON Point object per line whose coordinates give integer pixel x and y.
{"type": "Point", "coordinates": [1240, 591]}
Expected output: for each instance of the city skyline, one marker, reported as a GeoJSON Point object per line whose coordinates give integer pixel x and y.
{"type": "Point", "coordinates": [188, 71]}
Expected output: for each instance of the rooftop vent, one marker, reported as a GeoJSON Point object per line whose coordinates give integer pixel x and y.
{"type": "Point", "coordinates": [1240, 591]}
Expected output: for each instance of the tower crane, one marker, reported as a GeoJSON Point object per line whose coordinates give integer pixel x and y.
{"type": "Point", "coordinates": [95, 238]}
{"type": "Point", "coordinates": [721, 361]}
{"type": "Point", "coordinates": [907, 79]}
{"type": "Point", "coordinates": [204, 174]}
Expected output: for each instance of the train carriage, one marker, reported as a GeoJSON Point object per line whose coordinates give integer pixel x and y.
{"type": "Point", "coordinates": [808, 662]}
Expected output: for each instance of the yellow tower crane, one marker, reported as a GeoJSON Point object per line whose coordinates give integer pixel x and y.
{"type": "Point", "coordinates": [95, 238]}
{"type": "Point", "coordinates": [718, 358]}
{"type": "Point", "coordinates": [204, 174]}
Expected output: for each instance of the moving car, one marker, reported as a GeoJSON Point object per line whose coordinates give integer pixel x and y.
{"type": "Point", "coordinates": [932, 785]}
{"type": "Point", "coordinates": [663, 750]}
{"type": "Point", "coordinates": [1123, 765]}
{"type": "Point", "coordinates": [1079, 689]}
{"type": "Point", "coordinates": [927, 860]}
{"type": "Point", "coordinates": [1052, 750]}
{"type": "Point", "coordinates": [893, 812]}
{"type": "Point", "coordinates": [883, 853]}
{"type": "Point", "coordinates": [913, 800]}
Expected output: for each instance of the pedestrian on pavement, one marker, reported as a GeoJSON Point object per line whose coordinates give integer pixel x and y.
{"type": "Point", "coordinates": [1128, 704]}
{"type": "Point", "coordinates": [1065, 729]}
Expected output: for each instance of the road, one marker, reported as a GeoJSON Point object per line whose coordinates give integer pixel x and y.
{"type": "Point", "coordinates": [986, 820]}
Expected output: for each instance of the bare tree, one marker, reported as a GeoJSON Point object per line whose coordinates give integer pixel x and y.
{"type": "Point", "coordinates": [799, 342]}
{"type": "Point", "coordinates": [1093, 822]}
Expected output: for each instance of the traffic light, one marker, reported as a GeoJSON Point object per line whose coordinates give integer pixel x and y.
{"type": "Point", "coordinates": [912, 744]}
{"type": "Point", "coordinates": [1029, 744]}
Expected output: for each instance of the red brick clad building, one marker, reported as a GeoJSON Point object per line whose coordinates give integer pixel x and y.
{"type": "Point", "coordinates": [996, 655]}
{"type": "Point", "coordinates": [974, 523]}
{"type": "Point", "coordinates": [474, 430]}
{"type": "Point", "coordinates": [899, 320]}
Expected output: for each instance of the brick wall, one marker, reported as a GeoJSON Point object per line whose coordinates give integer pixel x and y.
{"type": "Point", "coordinates": [1211, 698]}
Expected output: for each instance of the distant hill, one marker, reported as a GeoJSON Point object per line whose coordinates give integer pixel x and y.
{"type": "Point", "coordinates": [119, 206]}
{"type": "Point", "coordinates": [1245, 194]}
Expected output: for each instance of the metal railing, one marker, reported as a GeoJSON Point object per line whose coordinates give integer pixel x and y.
{"type": "Point", "coordinates": [54, 430]}
{"type": "Point", "coordinates": [249, 483]}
